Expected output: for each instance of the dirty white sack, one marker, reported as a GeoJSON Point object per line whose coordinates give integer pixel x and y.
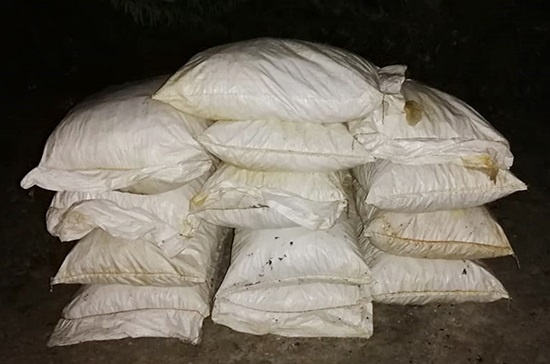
{"type": "Point", "coordinates": [156, 218]}
{"type": "Point", "coordinates": [275, 79]}
{"type": "Point", "coordinates": [297, 282]}
{"type": "Point", "coordinates": [99, 258]}
{"type": "Point", "coordinates": [432, 187]}
{"type": "Point", "coordinates": [236, 197]}
{"type": "Point", "coordinates": [110, 312]}
{"type": "Point", "coordinates": [414, 281]}
{"type": "Point", "coordinates": [422, 125]}
{"type": "Point", "coordinates": [470, 233]}
{"type": "Point", "coordinates": [119, 138]}
{"type": "Point", "coordinates": [284, 146]}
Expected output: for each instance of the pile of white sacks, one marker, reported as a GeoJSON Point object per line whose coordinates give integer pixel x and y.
{"type": "Point", "coordinates": [345, 184]}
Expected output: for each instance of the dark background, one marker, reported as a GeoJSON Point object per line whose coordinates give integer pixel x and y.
{"type": "Point", "coordinates": [488, 52]}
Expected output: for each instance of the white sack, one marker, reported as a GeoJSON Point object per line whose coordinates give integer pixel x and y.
{"type": "Point", "coordinates": [423, 125]}
{"type": "Point", "coordinates": [450, 234]}
{"type": "Point", "coordinates": [285, 318]}
{"type": "Point", "coordinates": [119, 138]}
{"type": "Point", "coordinates": [236, 197]}
{"type": "Point", "coordinates": [99, 258]}
{"type": "Point", "coordinates": [110, 312]}
{"type": "Point", "coordinates": [297, 282]}
{"type": "Point", "coordinates": [275, 79]}
{"type": "Point", "coordinates": [413, 281]}
{"type": "Point", "coordinates": [157, 218]}
{"type": "Point", "coordinates": [284, 146]}
{"type": "Point", "coordinates": [432, 187]}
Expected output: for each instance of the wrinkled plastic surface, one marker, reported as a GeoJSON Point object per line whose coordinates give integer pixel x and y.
{"type": "Point", "coordinates": [284, 146]}
{"type": "Point", "coordinates": [156, 218]}
{"type": "Point", "coordinates": [297, 282]}
{"type": "Point", "coordinates": [272, 256]}
{"type": "Point", "coordinates": [110, 312]}
{"type": "Point", "coordinates": [99, 258]}
{"type": "Point", "coordinates": [335, 320]}
{"type": "Point", "coordinates": [432, 187]}
{"type": "Point", "coordinates": [236, 197]}
{"type": "Point", "coordinates": [423, 125]}
{"type": "Point", "coordinates": [274, 79]}
{"type": "Point", "coordinates": [119, 138]}
{"type": "Point", "coordinates": [451, 234]}
{"type": "Point", "coordinates": [413, 281]}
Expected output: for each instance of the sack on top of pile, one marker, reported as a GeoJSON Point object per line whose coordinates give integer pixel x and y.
{"type": "Point", "coordinates": [422, 125]}
{"type": "Point", "coordinates": [119, 138]}
{"type": "Point", "coordinates": [275, 79]}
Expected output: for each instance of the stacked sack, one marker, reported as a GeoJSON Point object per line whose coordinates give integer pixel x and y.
{"type": "Point", "coordinates": [346, 184]}
{"type": "Point", "coordinates": [125, 168]}
{"type": "Point", "coordinates": [280, 108]}
{"type": "Point", "coordinates": [422, 201]}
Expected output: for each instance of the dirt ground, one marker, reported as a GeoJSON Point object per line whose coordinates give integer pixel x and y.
{"type": "Point", "coordinates": [514, 331]}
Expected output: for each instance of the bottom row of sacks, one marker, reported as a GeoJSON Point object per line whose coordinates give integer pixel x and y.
{"type": "Point", "coordinates": [290, 282]}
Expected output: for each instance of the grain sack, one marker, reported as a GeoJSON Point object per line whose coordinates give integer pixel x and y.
{"type": "Point", "coordinates": [119, 138]}
{"type": "Point", "coordinates": [109, 312]}
{"type": "Point", "coordinates": [413, 281]}
{"type": "Point", "coordinates": [157, 218]}
{"type": "Point", "coordinates": [236, 197]}
{"type": "Point", "coordinates": [274, 79]}
{"type": "Point", "coordinates": [297, 282]}
{"type": "Point", "coordinates": [422, 125]}
{"type": "Point", "coordinates": [99, 258]}
{"type": "Point", "coordinates": [284, 146]}
{"type": "Point", "coordinates": [449, 234]}
{"type": "Point", "coordinates": [432, 187]}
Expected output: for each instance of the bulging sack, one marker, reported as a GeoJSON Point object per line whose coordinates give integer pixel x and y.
{"type": "Point", "coordinates": [432, 187]}
{"type": "Point", "coordinates": [298, 311]}
{"type": "Point", "coordinates": [297, 282]}
{"type": "Point", "coordinates": [111, 312]}
{"type": "Point", "coordinates": [451, 234]}
{"type": "Point", "coordinates": [241, 198]}
{"type": "Point", "coordinates": [119, 138]}
{"type": "Point", "coordinates": [99, 258]}
{"type": "Point", "coordinates": [422, 125]}
{"type": "Point", "coordinates": [278, 146]}
{"type": "Point", "coordinates": [274, 79]}
{"type": "Point", "coordinates": [158, 218]}
{"type": "Point", "coordinates": [413, 281]}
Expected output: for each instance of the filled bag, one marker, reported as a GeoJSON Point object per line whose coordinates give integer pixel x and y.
{"type": "Point", "coordinates": [120, 138]}
{"type": "Point", "coordinates": [450, 234]}
{"type": "Point", "coordinates": [157, 218]}
{"type": "Point", "coordinates": [297, 282]}
{"type": "Point", "coordinates": [237, 197]}
{"type": "Point", "coordinates": [414, 281]}
{"type": "Point", "coordinates": [274, 79]}
{"type": "Point", "coordinates": [278, 146]}
{"type": "Point", "coordinates": [432, 187]}
{"type": "Point", "coordinates": [111, 312]}
{"type": "Point", "coordinates": [100, 258]}
{"type": "Point", "coordinates": [422, 125]}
